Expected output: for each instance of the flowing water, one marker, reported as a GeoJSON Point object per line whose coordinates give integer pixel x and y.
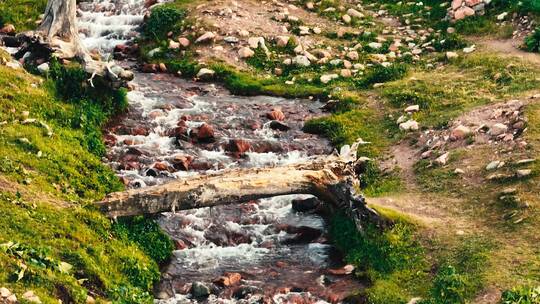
{"type": "Point", "coordinates": [176, 128]}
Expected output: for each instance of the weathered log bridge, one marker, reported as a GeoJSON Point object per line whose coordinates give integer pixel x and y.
{"type": "Point", "coordinates": [332, 179]}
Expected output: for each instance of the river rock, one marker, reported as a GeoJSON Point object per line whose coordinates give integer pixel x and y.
{"type": "Point", "coordinates": [496, 164]}
{"type": "Point", "coordinates": [4, 292]}
{"type": "Point", "coordinates": [412, 109]}
{"type": "Point", "coordinates": [199, 290]}
{"type": "Point", "coordinates": [43, 68]}
{"type": "Point", "coordinates": [451, 55]}
{"type": "Point", "coordinates": [276, 114]}
{"type": "Point", "coordinates": [229, 279]}
{"type": "Point", "coordinates": [238, 146]}
{"type": "Point", "coordinates": [205, 133]}
{"type": "Point", "coordinates": [523, 173]}
{"type": "Point", "coordinates": [149, 68]}
{"type": "Point", "coordinates": [282, 41]}
{"type": "Point", "coordinates": [278, 125]}
{"type": "Point", "coordinates": [306, 205]}
{"type": "Point", "coordinates": [245, 291]}
{"type": "Point", "coordinates": [353, 55]}
{"type": "Point", "coordinates": [345, 270]}
{"type": "Point", "coordinates": [182, 162]}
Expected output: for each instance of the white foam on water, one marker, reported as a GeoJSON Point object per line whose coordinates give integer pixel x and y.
{"type": "Point", "coordinates": [274, 159]}
{"type": "Point", "coordinates": [211, 256]}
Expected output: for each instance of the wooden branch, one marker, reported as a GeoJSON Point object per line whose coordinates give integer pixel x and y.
{"type": "Point", "coordinates": [331, 180]}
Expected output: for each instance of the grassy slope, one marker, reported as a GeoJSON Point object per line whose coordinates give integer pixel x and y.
{"type": "Point", "coordinates": [44, 184]}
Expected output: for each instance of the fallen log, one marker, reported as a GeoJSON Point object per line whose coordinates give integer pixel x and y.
{"type": "Point", "coordinates": [332, 179]}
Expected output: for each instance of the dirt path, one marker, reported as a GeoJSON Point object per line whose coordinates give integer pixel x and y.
{"type": "Point", "coordinates": [509, 47]}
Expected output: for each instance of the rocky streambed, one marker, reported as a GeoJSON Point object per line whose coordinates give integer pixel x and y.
{"type": "Point", "coordinates": [269, 251]}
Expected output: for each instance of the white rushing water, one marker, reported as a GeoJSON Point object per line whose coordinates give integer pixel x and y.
{"type": "Point", "coordinates": [104, 24]}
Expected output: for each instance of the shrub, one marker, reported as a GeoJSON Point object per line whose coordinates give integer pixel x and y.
{"type": "Point", "coordinates": [164, 19]}
{"type": "Point", "coordinates": [521, 295]}
{"type": "Point", "coordinates": [532, 42]}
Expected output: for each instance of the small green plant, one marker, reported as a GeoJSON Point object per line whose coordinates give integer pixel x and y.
{"type": "Point", "coordinates": [522, 295]}
{"type": "Point", "coordinates": [164, 19]}
{"type": "Point", "coordinates": [381, 74]}
{"type": "Point", "coordinates": [448, 287]}
{"type": "Point", "coordinates": [532, 42]}
{"type": "Point", "coordinates": [147, 234]}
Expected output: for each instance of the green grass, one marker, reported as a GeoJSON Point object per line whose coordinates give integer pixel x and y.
{"type": "Point", "coordinates": [21, 13]}
{"type": "Point", "coordinates": [467, 83]}
{"type": "Point", "coordinates": [400, 263]}
{"type": "Point", "coordinates": [48, 237]}
{"type": "Point", "coordinates": [392, 260]}
{"type": "Point", "coordinates": [50, 167]}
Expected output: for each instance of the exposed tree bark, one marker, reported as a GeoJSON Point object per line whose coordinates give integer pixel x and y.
{"type": "Point", "coordinates": [331, 179]}
{"type": "Point", "coordinates": [59, 28]}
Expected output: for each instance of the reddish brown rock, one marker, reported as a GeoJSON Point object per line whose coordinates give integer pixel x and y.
{"type": "Point", "coordinates": [238, 146]}
{"type": "Point", "coordinates": [182, 162]}
{"type": "Point", "coordinates": [162, 68]}
{"type": "Point", "coordinates": [276, 114]}
{"type": "Point", "coordinates": [205, 133]}
{"type": "Point", "coordinates": [149, 3]}
{"type": "Point", "coordinates": [161, 166]}
{"type": "Point", "coordinates": [180, 245]}
{"type": "Point", "coordinates": [110, 140]}
{"type": "Point", "coordinates": [150, 68]}
{"type": "Point", "coordinates": [229, 279]}
{"type": "Point", "coordinates": [139, 131]}
{"type": "Point", "coordinates": [347, 269]}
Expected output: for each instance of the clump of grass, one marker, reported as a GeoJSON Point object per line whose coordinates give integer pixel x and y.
{"type": "Point", "coordinates": [23, 14]}
{"type": "Point", "coordinates": [381, 74]}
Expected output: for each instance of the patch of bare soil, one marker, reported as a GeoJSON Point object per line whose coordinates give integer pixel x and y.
{"type": "Point", "coordinates": [13, 188]}
{"type": "Point", "coordinates": [510, 48]}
